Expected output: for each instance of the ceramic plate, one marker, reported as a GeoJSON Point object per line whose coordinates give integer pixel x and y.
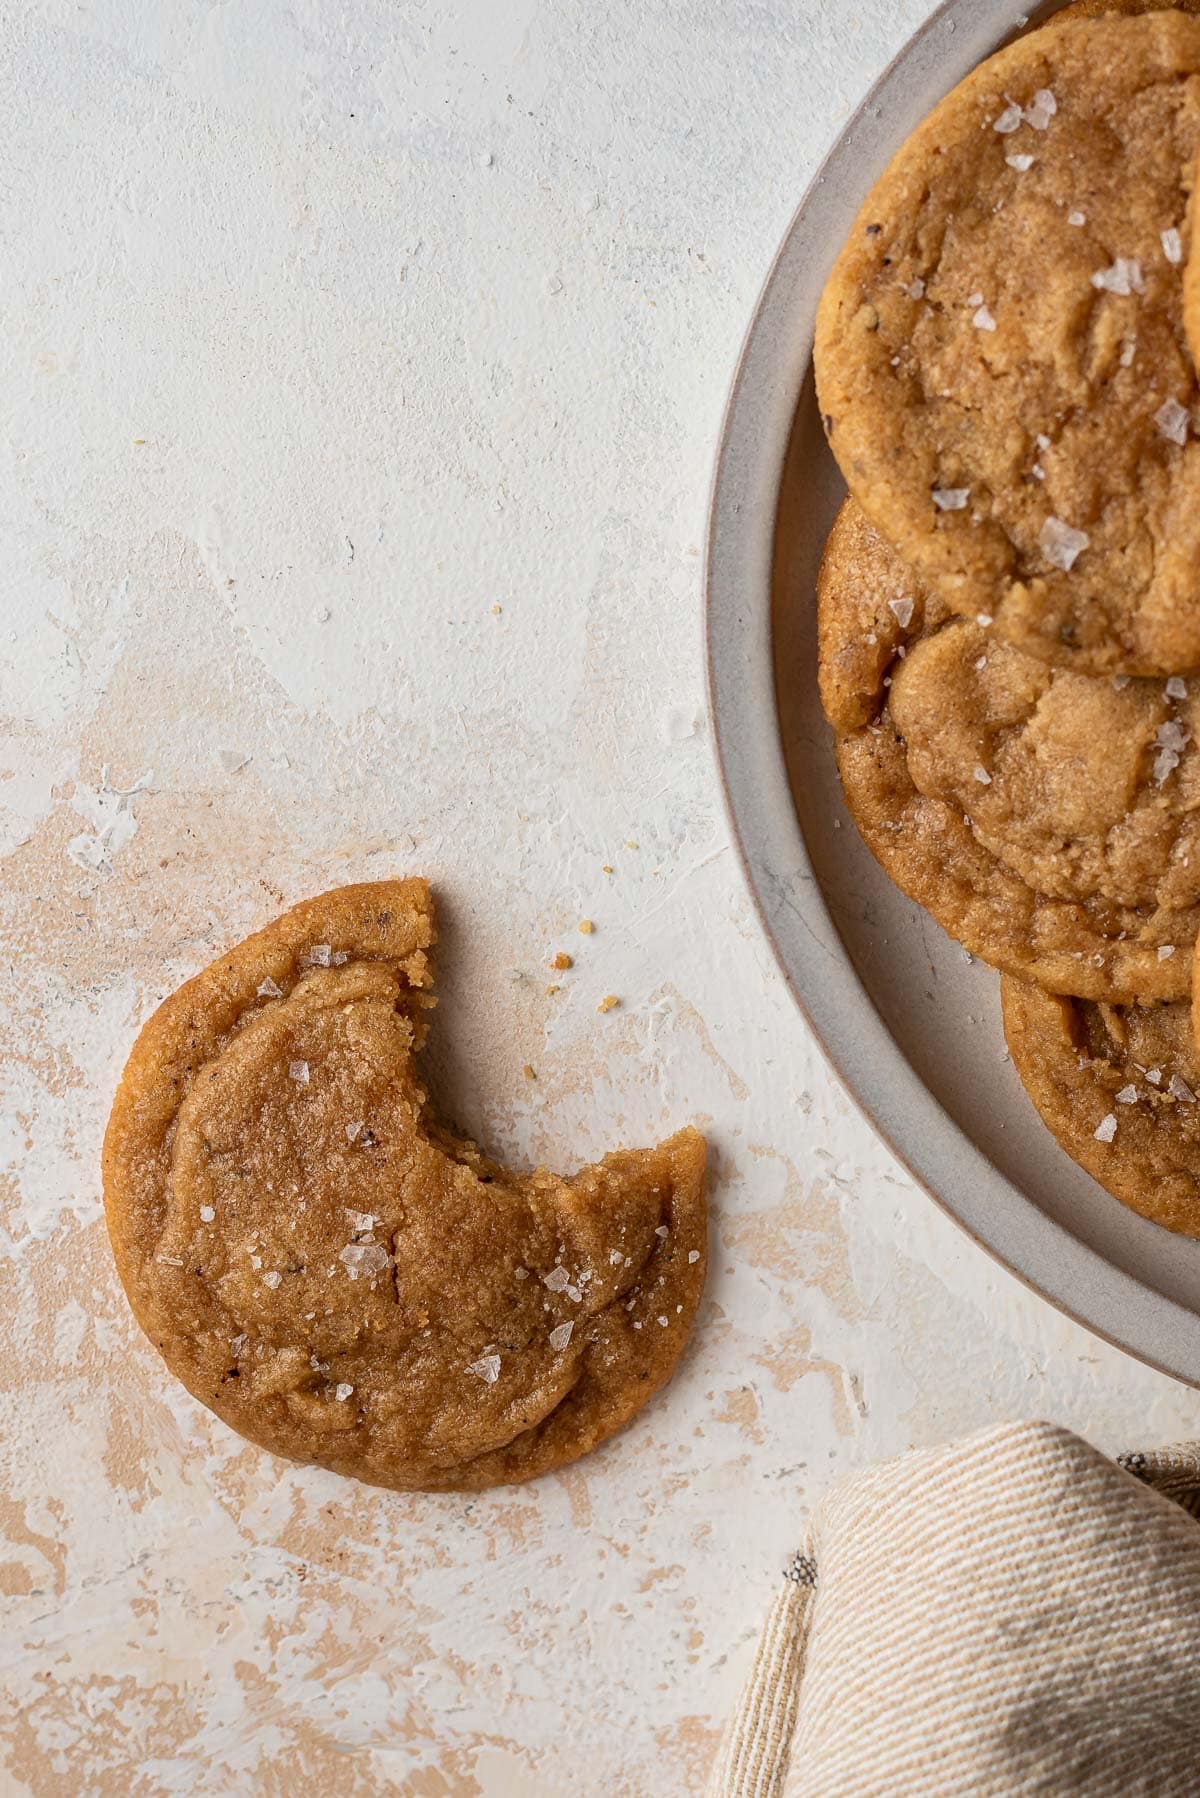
{"type": "Point", "coordinates": [909, 1023]}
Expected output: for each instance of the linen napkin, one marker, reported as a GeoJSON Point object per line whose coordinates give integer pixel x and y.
{"type": "Point", "coordinates": [1011, 1614]}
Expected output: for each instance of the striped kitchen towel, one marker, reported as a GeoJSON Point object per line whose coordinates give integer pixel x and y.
{"type": "Point", "coordinates": [1012, 1614]}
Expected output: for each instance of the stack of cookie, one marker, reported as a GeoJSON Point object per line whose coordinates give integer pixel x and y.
{"type": "Point", "coordinates": [1009, 603]}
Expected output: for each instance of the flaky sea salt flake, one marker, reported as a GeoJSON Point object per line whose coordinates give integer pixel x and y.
{"type": "Point", "coordinates": [951, 499]}
{"type": "Point", "coordinates": [319, 954]}
{"type": "Point", "coordinates": [207, 1214]}
{"type": "Point", "coordinates": [1172, 421]}
{"type": "Point", "coordinates": [1127, 1095]}
{"type": "Point", "coordinates": [1042, 110]}
{"type": "Point", "coordinates": [557, 1280]}
{"type": "Point", "coordinates": [693, 1257]}
{"type": "Point", "coordinates": [363, 1258]}
{"type": "Point", "coordinates": [560, 1336]}
{"type": "Point", "coordinates": [983, 777]}
{"type": "Point", "coordinates": [342, 1391]}
{"type": "Point", "coordinates": [269, 989]}
{"type": "Point", "coordinates": [1165, 951]}
{"type": "Point", "coordinates": [298, 1071]}
{"type": "Point", "coordinates": [1154, 1076]}
{"type": "Point", "coordinates": [1075, 217]}
{"type": "Point", "coordinates": [1176, 687]}
{"type": "Point", "coordinates": [1061, 544]}
{"type": "Point", "coordinates": [901, 610]}
{"type": "Point", "coordinates": [1022, 163]}
{"type": "Point", "coordinates": [487, 1369]}
{"type": "Point", "coordinates": [1179, 1089]}
{"type": "Point", "coordinates": [1172, 245]}
{"type": "Point", "coordinates": [983, 320]}
{"type": "Point", "coordinates": [272, 1280]}
{"type": "Point", "coordinates": [1009, 120]}
{"type": "Point", "coordinates": [1106, 1129]}
{"type": "Point", "coordinates": [1123, 277]}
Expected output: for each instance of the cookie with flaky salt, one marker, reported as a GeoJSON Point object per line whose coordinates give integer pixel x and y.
{"type": "Point", "coordinates": [1000, 350]}
{"type": "Point", "coordinates": [341, 1279]}
{"type": "Point", "coordinates": [1050, 821]}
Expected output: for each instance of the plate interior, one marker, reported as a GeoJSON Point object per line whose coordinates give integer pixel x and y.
{"type": "Point", "coordinates": [911, 1026]}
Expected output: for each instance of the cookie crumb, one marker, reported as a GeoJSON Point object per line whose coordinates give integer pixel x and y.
{"type": "Point", "coordinates": [608, 1003]}
{"type": "Point", "coordinates": [586, 927]}
{"type": "Point", "coordinates": [562, 960]}
{"type": "Point", "coordinates": [528, 1072]}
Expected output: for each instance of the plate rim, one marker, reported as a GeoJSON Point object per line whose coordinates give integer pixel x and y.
{"type": "Point", "coordinates": [1047, 1259]}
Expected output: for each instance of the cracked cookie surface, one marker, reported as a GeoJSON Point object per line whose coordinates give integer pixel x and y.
{"type": "Point", "coordinates": [337, 1276]}
{"type": "Point", "coordinates": [1116, 1086]}
{"type": "Point", "coordinates": [1000, 349]}
{"type": "Point", "coordinates": [1050, 821]}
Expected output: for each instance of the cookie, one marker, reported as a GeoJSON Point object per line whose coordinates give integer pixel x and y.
{"type": "Point", "coordinates": [1117, 1086]}
{"type": "Point", "coordinates": [1097, 9]}
{"type": "Point", "coordinates": [1000, 353]}
{"type": "Point", "coordinates": [342, 1280]}
{"type": "Point", "coordinates": [1050, 821]}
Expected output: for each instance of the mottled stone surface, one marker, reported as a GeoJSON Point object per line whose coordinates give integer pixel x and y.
{"type": "Point", "coordinates": [327, 331]}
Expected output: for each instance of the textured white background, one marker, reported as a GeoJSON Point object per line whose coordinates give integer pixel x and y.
{"type": "Point", "coordinates": [326, 329]}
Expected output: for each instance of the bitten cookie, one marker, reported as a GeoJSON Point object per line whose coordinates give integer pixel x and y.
{"type": "Point", "coordinates": [1048, 820]}
{"type": "Point", "coordinates": [1000, 350]}
{"type": "Point", "coordinates": [1116, 1085]}
{"type": "Point", "coordinates": [342, 1280]}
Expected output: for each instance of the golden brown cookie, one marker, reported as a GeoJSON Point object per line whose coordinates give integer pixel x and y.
{"type": "Point", "coordinates": [1117, 1086]}
{"type": "Point", "coordinates": [1097, 9]}
{"type": "Point", "coordinates": [1000, 352]}
{"type": "Point", "coordinates": [1050, 821]}
{"type": "Point", "coordinates": [343, 1281]}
